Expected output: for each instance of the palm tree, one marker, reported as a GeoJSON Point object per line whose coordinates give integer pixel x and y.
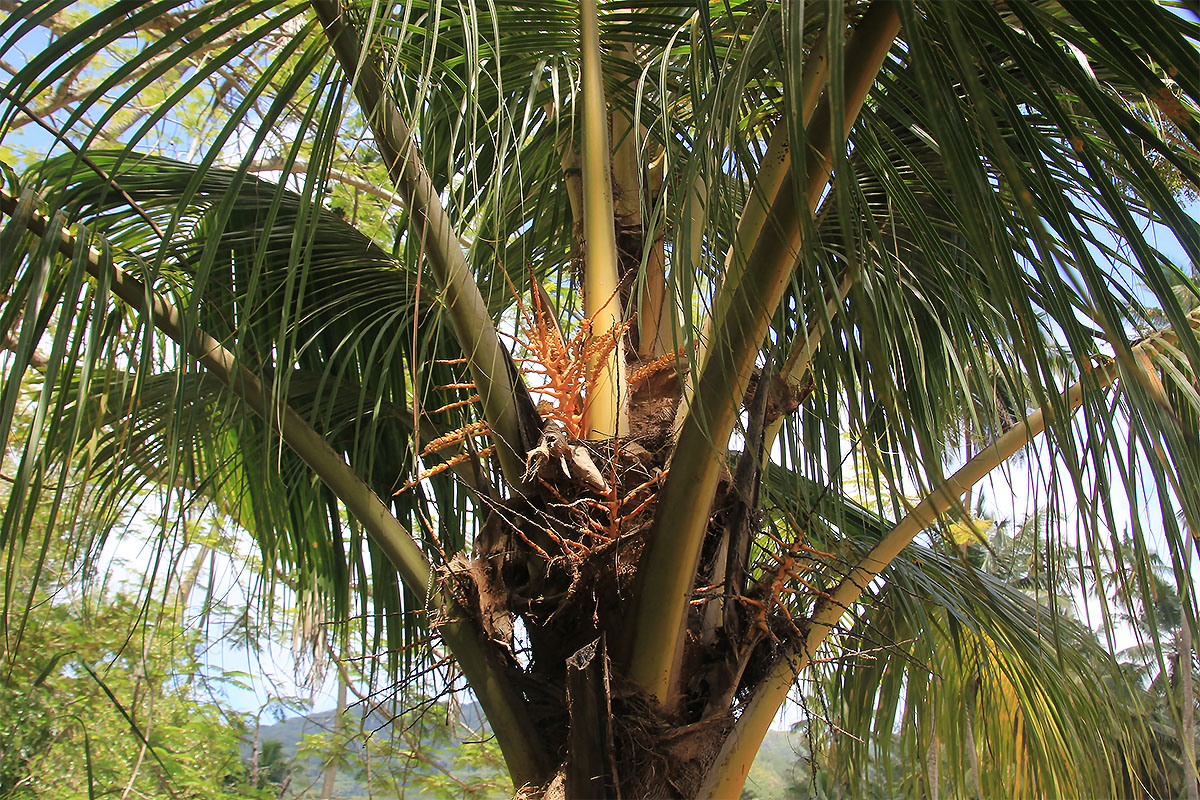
{"type": "Point", "coordinates": [1162, 663]}
{"type": "Point", "coordinates": [572, 395]}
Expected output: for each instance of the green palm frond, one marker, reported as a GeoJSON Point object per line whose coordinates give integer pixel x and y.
{"type": "Point", "coordinates": [995, 670]}
{"type": "Point", "coordinates": [313, 519]}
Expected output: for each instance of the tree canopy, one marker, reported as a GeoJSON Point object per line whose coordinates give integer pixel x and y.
{"type": "Point", "coordinates": [636, 356]}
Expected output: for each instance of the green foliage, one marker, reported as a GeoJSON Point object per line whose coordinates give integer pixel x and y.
{"type": "Point", "coordinates": [104, 718]}
{"type": "Point", "coordinates": [268, 769]}
{"type": "Point", "coordinates": [1154, 667]}
{"type": "Point", "coordinates": [992, 231]}
{"type": "Point", "coordinates": [426, 750]}
{"type": "Point", "coordinates": [25, 733]}
{"type": "Point", "coordinates": [89, 707]}
{"type": "Point", "coordinates": [92, 700]}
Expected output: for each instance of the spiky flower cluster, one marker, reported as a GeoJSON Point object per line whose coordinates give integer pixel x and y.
{"type": "Point", "coordinates": [564, 367]}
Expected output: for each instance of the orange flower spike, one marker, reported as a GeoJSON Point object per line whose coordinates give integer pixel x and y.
{"type": "Point", "coordinates": [645, 370]}
{"type": "Point", "coordinates": [533, 546]}
{"type": "Point", "coordinates": [599, 531]}
{"type": "Point", "coordinates": [557, 496]}
{"type": "Point", "coordinates": [642, 507]}
{"type": "Point", "coordinates": [814, 552]}
{"type": "Point", "coordinates": [442, 467]}
{"type": "Point", "coordinates": [473, 429]}
{"type": "Point", "coordinates": [458, 404]}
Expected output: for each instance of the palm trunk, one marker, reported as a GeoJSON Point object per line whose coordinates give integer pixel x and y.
{"type": "Point", "coordinates": [590, 770]}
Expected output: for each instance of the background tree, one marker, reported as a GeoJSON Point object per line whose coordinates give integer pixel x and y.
{"type": "Point", "coordinates": [101, 690]}
{"type": "Point", "coordinates": [1163, 665]}
{"type": "Point", "coordinates": [610, 195]}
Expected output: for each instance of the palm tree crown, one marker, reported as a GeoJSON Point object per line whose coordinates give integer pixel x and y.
{"type": "Point", "coordinates": [535, 329]}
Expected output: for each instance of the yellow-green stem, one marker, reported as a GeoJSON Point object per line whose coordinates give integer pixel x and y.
{"type": "Point", "coordinates": [773, 170]}
{"type": "Point", "coordinates": [729, 770]}
{"type": "Point", "coordinates": [657, 329]}
{"type": "Point", "coordinates": [605, 414]}
{"type": "Point", "coordinates": [654, 331]}
{"type": "Point", "coordinates": [473, 327]}
{"type": "Point", "coordinates": [667, 570]}
{"type": "Point", "coordinates": [626, 157]}
{"type": "Point", "coordinates": [800, 359]}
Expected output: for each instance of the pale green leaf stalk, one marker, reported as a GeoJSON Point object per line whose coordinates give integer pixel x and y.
{"type": "Point", "coordinates": [729, 771]}
{"type": "Point", "coordinates": [796, 368]}
{"type": "Point", "coordinates": [605, 415]}
{"type": "Point", "coordinates": [668, 569]}
{"type": "Point", "coordinates": [489, 362]}
{"type": "Point", "coordinates": [774, 169]}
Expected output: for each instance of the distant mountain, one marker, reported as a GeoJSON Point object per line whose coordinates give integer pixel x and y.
{"type": "Point", "coordinates": [770, 777]}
